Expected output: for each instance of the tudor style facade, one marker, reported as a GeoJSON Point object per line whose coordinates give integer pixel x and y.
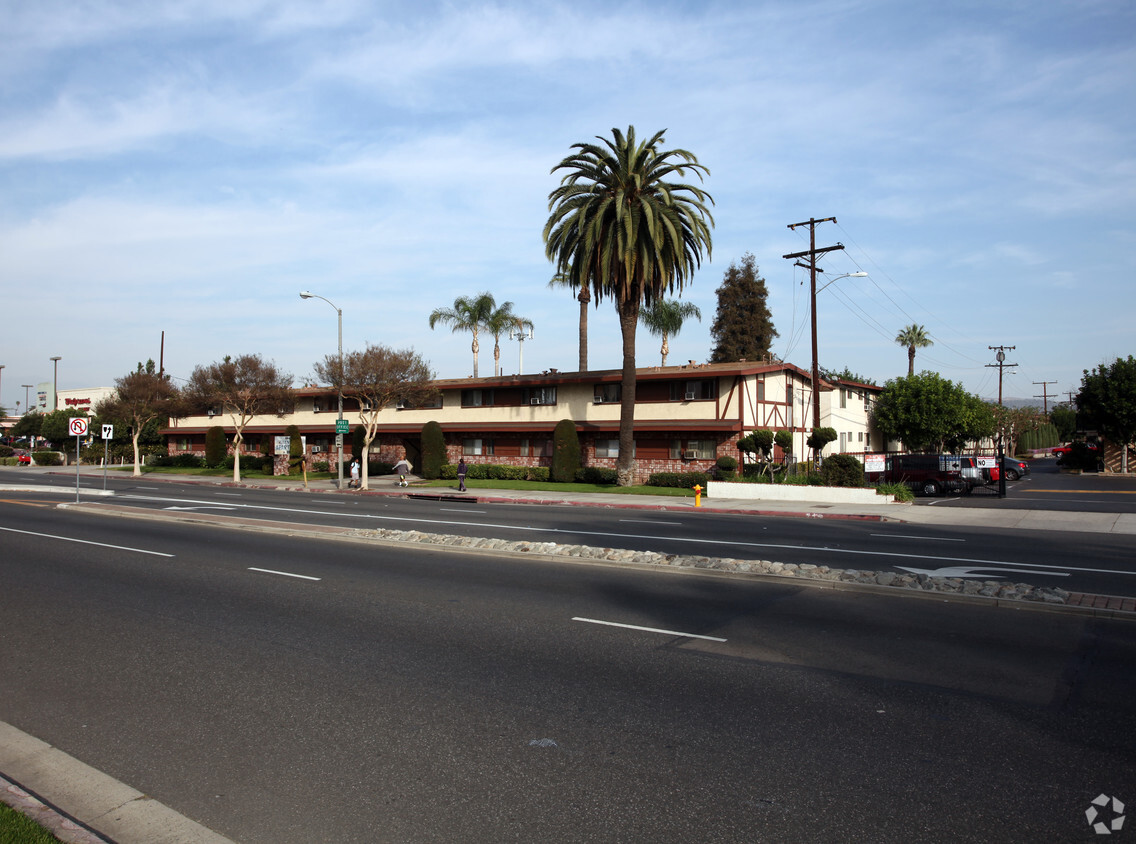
{"type": "Point", "coordinates": [685, 417]}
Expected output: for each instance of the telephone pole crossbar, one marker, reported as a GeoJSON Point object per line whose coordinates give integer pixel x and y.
{"type": "Point", "coordinates": [1044, 395]}
{"type": "Point", "coordinates": [811, 266]}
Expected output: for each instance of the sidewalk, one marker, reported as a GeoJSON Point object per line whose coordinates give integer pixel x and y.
{"type": "Point", "coordinates": [987, 517]}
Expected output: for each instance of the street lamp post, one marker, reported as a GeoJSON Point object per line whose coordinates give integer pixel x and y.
{"type": "Point", "coordinates": [304, 294]}
{"type": "Point", "coordinates": [518, 334]}
{"type": "Point", "coordinates": [27, 407]}
{"type": "Point", "coordinates": [55, 384]}
{"type": "Point", "coordinates": [816, 365]}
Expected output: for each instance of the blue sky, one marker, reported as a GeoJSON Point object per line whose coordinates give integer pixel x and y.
{"type": "Point", "coordinates": [190, 166]}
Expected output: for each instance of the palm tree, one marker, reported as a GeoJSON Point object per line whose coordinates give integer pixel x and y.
{"type": "Point", "coordinates": [913, 337]}
{"type": "Point", "coordinates": [467, 314]}
{"type": "Point", "coordinates": [503, 319]}
{"type": "Point", "coordinates": [584, 298]}
{"type": "Point", "coordinates": [664, 318]}
{"type": "Point", "coordinates": [619, 227]}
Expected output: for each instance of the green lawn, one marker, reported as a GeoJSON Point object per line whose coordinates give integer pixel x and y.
{"type": "Point", "coordinates": [16, 828]}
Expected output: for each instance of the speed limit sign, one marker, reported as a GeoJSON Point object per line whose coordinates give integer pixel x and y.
{"type": "Point", "coordinates": [78, 426]}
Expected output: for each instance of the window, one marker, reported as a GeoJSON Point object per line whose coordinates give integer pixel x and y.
{"type": "Point", "coordinates": [540, 395]}
{"type": "Point", "coordinates": [477, 446]}
{"type": "Point", "coordinates": [789, 404]}
{"type": "Point", "coordinates": [699, 450]}
{"type": "Point", "coordinates": [477, 398]}
{"type": "Point", "coordinates": [859, 436]}
{"type": "Point", "coordinates": [183, 444]}
{"type": "Point", "coordinates": [843, 398]}
{"type": "Point", "coordinates": [700, 390]}
{"type": "Point", "coordinates": [607, 448]}
{"type": "Point", "coordinates": [432, 402]}
{"type": "Point", "coordinates": [843, 442]}
{"type": "Point", "coordinates": [761, 390]}
{"type": "Point", "coordinates": [607, 393]}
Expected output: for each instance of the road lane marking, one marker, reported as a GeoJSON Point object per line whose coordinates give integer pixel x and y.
{"type": "Point", "coordinates": [86, 542]}
{"type": "Point", "coordinates": [970, 571]}
{"type": "Point", "coordinates": [25, 503]}
{"type": "Point", "coordinates": [650, 522]}
{"type": "Point", "coordinates": [203, 507]}
{"type": "Point", "coordinates": [905, 536]}
{"type": "Point", "coordinates": [459, 510]}
{"type": "Point", "coordinates": [284, 573]}
{"type": "Point", "coordinates": [230, 494]}
{"type": "Point", "coordinates": [683, 540]}
{"type": "Point", "coordinates": [649, 629]}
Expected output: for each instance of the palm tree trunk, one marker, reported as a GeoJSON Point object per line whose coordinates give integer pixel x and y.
{"type": "Point", "coordinates": [628, 320]}
{"type": "Point", "coordinates": [496, 357]}
{"type": "Point", "coordinates": [476, 347]}
{"type": "Point", "coordinates": [666, 349]}
{"type": "Point", "coordinates": [910, 360]}
{"type": "Point", "coordinates": [585, 297]}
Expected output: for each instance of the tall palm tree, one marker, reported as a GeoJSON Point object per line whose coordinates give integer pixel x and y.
{"type": "Point", "coordinates": [503, 319]}
{"type": "Point", "coordinates": [584, 298]}
{"type": "Point", "coordinates": [617, 225]}
{"type": "Point", "coordinates": [467, 314]}
{"type": "Point", "coordinates": [664, 318]}
{"type": "Point", "coordinates": [913, 337]}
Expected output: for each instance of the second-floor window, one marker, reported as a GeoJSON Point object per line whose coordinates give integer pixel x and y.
{"type": "Point", "coordinates": [540, 395]}
{"type": "Point", "coordinates": [477, 398]}
{"type": "Point", "coordinates": [607, 393]}
{"type": "Point", "coordinates": [694, 390]}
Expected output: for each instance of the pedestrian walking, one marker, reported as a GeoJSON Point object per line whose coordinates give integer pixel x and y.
{"type": "Point", "coordinates": [354, 482]}
{"type": "Point", "coordinates": [461, 475]}
{"type": "Point", "coordinates": [403, 469]}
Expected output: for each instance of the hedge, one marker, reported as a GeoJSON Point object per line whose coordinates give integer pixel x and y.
{"type": "Point", "coordinates": [681, 480]}
{"type": "Point", "coordinates": [47, 458]}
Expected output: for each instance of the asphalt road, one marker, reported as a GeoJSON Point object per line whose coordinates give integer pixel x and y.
{"type": "Point", "coordinates": [370, 694]}
{"type": "Point", "coordinates": [1094, 563]}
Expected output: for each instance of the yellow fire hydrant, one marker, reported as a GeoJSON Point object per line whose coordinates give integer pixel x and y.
{"type": "Point", "coordinates": [697, 495]}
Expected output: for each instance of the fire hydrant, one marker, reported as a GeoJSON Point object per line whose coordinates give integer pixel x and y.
{"type": "Point", "coordinates": [697, 495]}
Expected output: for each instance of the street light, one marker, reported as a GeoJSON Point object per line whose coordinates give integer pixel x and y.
{"type": "Point", "coordinates": [816, 366]}
{"type": "Point", "coordinates": [518, 333]}
{"type": "Point", "coordinates": [304, 294]}
{"type": "Point", "coordinates": [1, 391]}
{"type": "Point", "coordinates": [27, 407]}
{"type": "Point", "coordinates": [55, 385]}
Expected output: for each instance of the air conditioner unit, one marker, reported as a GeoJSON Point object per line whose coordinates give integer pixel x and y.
{"type": "Point", "coordinates": [534, 401]}
{"type": "Point", "coordinates": [316, 408]}
{"type": "Point", "coordinates": [690, 396]}
{"type": "Point", "coordinates": [316, 449]}
{"type": "Point", "coordinates": [597, 400]}
{"type": "Point", "coordinates": [364, 405]}
{"type": "Point", "coordinates": [211, 412]}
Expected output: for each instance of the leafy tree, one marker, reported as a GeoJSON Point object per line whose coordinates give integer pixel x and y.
{"type": "Point", "coordinates": [29, 425]}
{"type": "Point", "coordinates": [584, 297]}
{"type": "Point", "coordinates": [846, 374]}
{"type": "Point", "coordinates": [617, 224]}
{"type": "Point", "coordinates": [759, 443]}
{"type": "Point", "coordinates": [784, 439]}
{"type": "Point", "coordinates": [139, 400]}
{"type": "Point", "coordinates": [503, 319]}
{"type": "Point", "coordinates": [913, 337]}
{"type": "Point", "coordinates": [468, 314]}
{"type": "Point", "coordinates": [1064, 419]}
{"type": "Point", "coordinates": [215, 446]}
{"type": "Point", "coordinates": [433, 450]}
{"type": "Point", "coordinates": [665, 317]}
{"type": "Point", "coordinates": [54, 425]}
{"type": "Point", "coordinates": [819, 438]}
{"type": "Point", "coordinates": [929, 413]}
{"type": "Point", "coordinates": [1014, 422]}
{"type": "Point", "coordinates": [1108, 399]}
{"type": "Point", "coordinates": [377, 377]}
{"type": "Point", "coordinates": [565, 452]}
{"type": "Point", "coordinates": [295, 450]}
{"type": "Point", "coordinates": [743, 326]}
{"type": "Point", "coordinates": [242, 388]}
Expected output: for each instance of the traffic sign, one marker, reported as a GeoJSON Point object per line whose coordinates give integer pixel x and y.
{"type": "Point", "coordinates": [108, 432]}
{"type": "Point", "coordinates": [342, 426]}
{"type": "Point", "coordinates": [78, 426]}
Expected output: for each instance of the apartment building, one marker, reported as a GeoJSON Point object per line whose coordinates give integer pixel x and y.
{"type": "Point", "coordinates": [685, 417]}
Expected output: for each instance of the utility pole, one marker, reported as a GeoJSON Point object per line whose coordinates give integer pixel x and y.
{"type": "Point", "coordinates": [1044, 396]}
{"type": "Point", "coordinates": [1001, 357]}
{"type": "Point", "coordinates": [812, 268]}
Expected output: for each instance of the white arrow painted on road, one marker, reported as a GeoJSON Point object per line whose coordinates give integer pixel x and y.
{"type": "Point", "coordinates": [972, 571]}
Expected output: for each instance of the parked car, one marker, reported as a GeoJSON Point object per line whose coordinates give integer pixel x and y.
{"type": "Point", "coordinates": [927, 474]}
{"type": "Point", "coordinates": [22, 457]}
{"type": "Point", "coordinates": [1014, 468]}
{"type": "Point", "coordinates": [1065, 449]}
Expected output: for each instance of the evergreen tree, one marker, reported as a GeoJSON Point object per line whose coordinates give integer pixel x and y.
{"type": "Point", "coordinates": [743, 327]}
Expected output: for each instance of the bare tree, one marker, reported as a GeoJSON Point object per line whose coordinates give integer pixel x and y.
{"type": "Point", "coordinates": [378, 377]}
{"type": "Point", "coordinates": [241, 388]}
{"type": "Point", "coordinates": [138, 399]}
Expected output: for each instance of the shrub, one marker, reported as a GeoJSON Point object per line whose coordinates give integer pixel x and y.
{"type": "Point", "coordinates": [565, 452]}
{"type": "Point", "coordinates": [5, 451]}
{"type": "Point", "coordinates": [215, 447]}
{"type": "Point", "coordinates": [450, 472]}
{"type": "Point", "coordinates": [842, 470]}
{"type": "Point", "coordinates": [47, 458]}
{"type": "Point", "coordinates": [538, 473]}
{"type": "Point", "coordinates": [596, 475]}
{"type": "Point", "coordinates": [433, 451]}
{"type": "Point", "coordinates": [180, 461]}
{"type": "Point", "coordinates": [295, 450]}
{"type": "Point", "coordinates": [899, 491]}
{"type": "Point", "coordinates": [679, 480]}
{"type": "Point", "coordinates": [321, 466]}
{"type": "Point", "coordinates": [379, 467]}
{"type": "Point", "coordinates": [506, 473]}
{"type": "Point", "coordinates": [727, 467]}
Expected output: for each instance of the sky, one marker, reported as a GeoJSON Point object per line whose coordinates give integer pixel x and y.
{"type": "Point", "coordinates": [185, 168]}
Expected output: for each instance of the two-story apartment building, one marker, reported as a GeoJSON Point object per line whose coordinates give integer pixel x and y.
{"type": "Point", "coordinates": [685, 416]}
